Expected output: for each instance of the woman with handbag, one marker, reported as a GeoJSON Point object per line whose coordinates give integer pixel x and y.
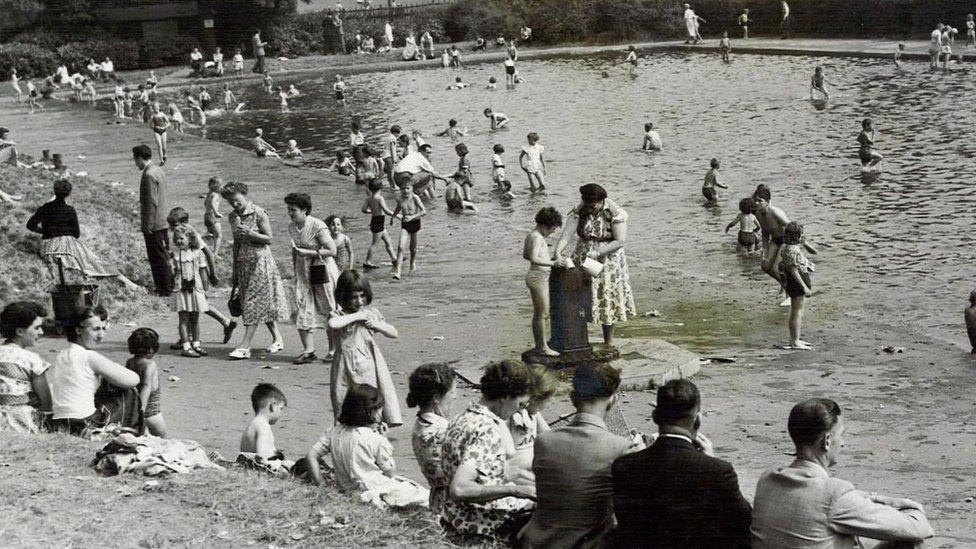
{"type": "Point", "coordinates": [601, 227]}
{"type": "Point", "coordinates": [313, 256]}
{"type": "Point", "coordinates": [258, 291]}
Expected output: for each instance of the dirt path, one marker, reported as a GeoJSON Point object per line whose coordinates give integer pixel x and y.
{"type": "Point", "coordinates": [911, 416]}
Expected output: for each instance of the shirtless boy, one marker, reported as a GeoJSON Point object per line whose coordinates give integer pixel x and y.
{"type": "Point", "coordinates": [410, 208]}
{"type": "Point", "coordinates": [773, 221]}
{"type": "Point", "coordinates": [376, 206]}
{"type": "Point", "coordinates": [269, 403]}
{"type": "Point", "coordinates": [454, 195]}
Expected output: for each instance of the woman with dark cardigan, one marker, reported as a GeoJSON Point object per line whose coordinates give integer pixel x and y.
{"type": "Point", "coordinates": [57, 223]}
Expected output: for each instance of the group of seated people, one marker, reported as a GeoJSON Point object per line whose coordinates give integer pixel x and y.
{"type": "Point", "coordinates": [585, 487]}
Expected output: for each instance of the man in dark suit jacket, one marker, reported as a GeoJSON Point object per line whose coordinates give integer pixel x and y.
{"type": "Point", "coordinates": [675, 494]}
{"type": "Point", "coordinates": [153, 208]}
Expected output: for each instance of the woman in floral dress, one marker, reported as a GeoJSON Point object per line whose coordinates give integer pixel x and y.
{"type": "Point", "coordinates": [257, 281]}
{"type": "Point", "coordinates": [601, 226]}
{"type": "Point", "coordinates": [481, 501]}
{"type": "Point", "coordinates": [312, 246]}
{"type": "Point", "coordinates": [432, 391]}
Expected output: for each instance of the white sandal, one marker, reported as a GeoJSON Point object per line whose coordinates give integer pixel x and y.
{"type": "Point", "coordinates": [239, 354]}
{"type": "Point", "coordinates": [276, 347]}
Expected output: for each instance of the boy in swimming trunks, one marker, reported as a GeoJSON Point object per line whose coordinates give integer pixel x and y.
{"type": "Point", "coordinates": [869, 157]}
{"type": "Point", "coordinates": [410, 208]}
{"type": "Point", "coordinates": [817, 83]}
{"type": "Point", "coordinates": [464, 168]}
{"type": "Point", "coordinates": [453, 195]}
{"type": "Point", "coordinates": [773, 221]}
{"type": "Point", "coordinates": [376, 206]}
{"type": "Point", "coordinates": [497, 165]}
{"type": "Point", "coordinates": [748, 240]}
{"type": "Point", "coordinates": [712, 181]}
{"type": "Point", "coordinates": [498, 120]}
{"type": "Point", "coordinates": [535, 250]}
{"type": "Point", "coordinates": [725, 46]}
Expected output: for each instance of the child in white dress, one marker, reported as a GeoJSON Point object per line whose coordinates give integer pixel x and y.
{"type": "Point", "coordinates": [362, 457]}
{"type": "Point", "coordinates": [189, 299]}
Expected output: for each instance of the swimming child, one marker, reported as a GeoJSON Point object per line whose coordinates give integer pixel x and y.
{"type": "Point", "coordinates": [293, 91]}
{"type": "Point", "coordinates": [725, 45]}
{"type": "Point", "coordinates": [458, 84]}
{"type": "Point", "coordinates": [748, 239]}
{"type": "Point", "coordinates": [632, 59]}
{"type": "Point", "coordinates": [268, 83]}
{"type": "Point", "coordinates": [356, 137]}
{"type": "Point", "coordinates": [143, 345]}
{"type": "Point", "coordinates": [357, 451]}
{"type": "Point", "coordinates": [293, 150]}
{"type": "Point", "coordinates": [898, 52]}
{"type": "Point", "coordinates": [212, 215]}
{"type": "Point", "coordinates": [269, 404]}
{"type": "Point", "coordinates": [869, 157]}
{"type": "Point", "coordinates": [712, 181]}
{"type": "Point", "coordinates": [817, 83]}
{"type": "Point", "coordinates": [652, 139]}
{"type": "Point", "coordinates": [510, 71]}
{"type": "Point", "coordinates": [343, 163]}
{"type": "Point", "coordinates": [533, 163]}
{"type": "Point", "coordinates": [497, 165]}
{"type": "Point", "coordinates": [345, 258]}
{"type": "Point", "coordinates": [283, 100]}
{"type": "Point", "coordinates": [339, 87]}
{"type": "Point", "coordinates": [358, 360]}
{"type": "Point", "coordinates": [744, 23]}
{"type": "Point", "coordinates": [159, 123]}
{"type": "Point", "coordinates": [795, 271]}
{"type": "Point", "coordinates": [189, 299]}
{"type": "Point", "coordinates": [375, 205]}
{"type": "Point", "coordinates": [454, 195]}
{"type": "Point", "coordinates": [410, 208]}
{"type": "Point", "coordinates": [464, 168]}
{"type": "Point", "coordinates": [492, 83]}
{"type": "Point", "coordinates": [453, 131]}
{"type": "Point", "coordinates": [535, 250]}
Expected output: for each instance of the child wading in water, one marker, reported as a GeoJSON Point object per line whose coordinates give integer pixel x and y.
{"type": "Point", "coordinates": [725, 46]}
{"type": "Point", "coordinates": [869, 157]}
{"type": "Point", "coordinates": [375, 205]}
{"type": "Point", "coordinates": [212, 215]}
{"type": "Point", "coordinates": [898, 52]}
{"type": "Point", "coordinates": [795, 271]}
{"type": "Point", "coordinates": [454, 196]}
{"type": "Point", "coordinates": [498, 120]}
{"type": "Point", "coordinates": [712, 181]}
{"type": "Point", "coordinates": [143, 345]}
{"type": "Point", "coordinates": [358, 359]}
{"type": "Point", "coordinates": [817, 83]}
{"type": "Point", "coordinates": [970, 31]}
{"type": "Point", "coordinates": [748, 240]}
{"type": "Point", "coordinates": [970, 316]}
{"type": "Point", "coordinates": [345, 258]}
{"type": "Point", "coordinates": [411, 209]}
{"type": "Point", "coordinates": [535, 250]}
{"type": "Point", "coordinates": [189, 298]}
{"type": "Point", "coordinates": [632, 60]}
{"type": "Point", "coordinates": [532, 162]}
{"type": "Point", "coordinates": [464, 168]}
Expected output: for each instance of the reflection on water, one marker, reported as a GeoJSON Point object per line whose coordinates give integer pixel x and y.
{"type": "Point", "coordinates": [896, 242]}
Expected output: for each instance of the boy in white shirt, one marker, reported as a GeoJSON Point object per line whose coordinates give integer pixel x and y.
{"type": "Point", "coordinates": [532, 162]}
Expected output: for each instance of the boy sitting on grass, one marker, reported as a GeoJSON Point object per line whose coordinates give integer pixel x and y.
{"type": "Point", "coordinates": [269, 403]}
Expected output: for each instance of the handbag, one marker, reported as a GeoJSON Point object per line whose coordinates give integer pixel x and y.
{"type": "Point", "coordinates": [234, 303]}
{"type": "Point", "coordinates": [316, 275]}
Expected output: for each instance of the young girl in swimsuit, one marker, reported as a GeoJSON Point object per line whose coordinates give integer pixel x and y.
{"type": "Point", "coordinates": [144, 344]}
{"type": "Point", "coordinates": [817, 83]}
{"type": "Point", "coordinates": [159, 123]}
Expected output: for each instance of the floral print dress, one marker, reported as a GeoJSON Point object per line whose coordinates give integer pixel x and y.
{"type": "Point", "coordinates": [427, 440]}
{"type": "Point", "coordinates": [259, 283]}
{"type": "Point", "coordinates": [312, 302]}
{"type": "Point", "coordinates": [613, 298]}
{"type": "Point", "coordinates": [19, 368]}
{"type": "Point", "coordinates": [475, 437]}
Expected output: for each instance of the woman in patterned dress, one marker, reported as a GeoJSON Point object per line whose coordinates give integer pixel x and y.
{"type": "Point", "coordinates": [256, 279]}
{"type": "Point", "coordinates": [432, 391]}
{"type": "Point", "coordinates": [481, 501]}
{"type": "Point", "coordinates": [24, 391]}
{"type": "Point", "coordinates": [601, 226]}
{"type": "Point", "coordinates": [312, 245]}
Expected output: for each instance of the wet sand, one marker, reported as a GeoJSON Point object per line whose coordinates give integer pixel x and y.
{"type": "Point", "coordinates": [911, 416]}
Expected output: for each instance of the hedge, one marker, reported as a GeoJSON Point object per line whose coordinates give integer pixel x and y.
{"type": "Point", "coordinates": [30, 60]}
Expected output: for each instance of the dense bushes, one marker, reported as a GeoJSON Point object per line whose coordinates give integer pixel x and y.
{"type": "Point", "coordinates": [124, 53]}
{"type": "Point", "coordinates": [31, 61]}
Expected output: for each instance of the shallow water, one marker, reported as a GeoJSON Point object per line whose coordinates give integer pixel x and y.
{"type": "Point", "coordinates": [897, 243]}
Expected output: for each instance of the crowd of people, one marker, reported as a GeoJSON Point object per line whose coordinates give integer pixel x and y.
{"type": "Point", "coordinates": [495, 469]}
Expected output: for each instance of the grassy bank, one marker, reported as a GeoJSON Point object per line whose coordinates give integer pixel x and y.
{"type": "Point", "coordinates": [50, 497]}
{"type": "Point", "coordinates": [109, 227]}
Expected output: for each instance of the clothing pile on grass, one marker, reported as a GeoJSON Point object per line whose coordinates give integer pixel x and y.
{"type": "Point", "coordinates": [150, 456]}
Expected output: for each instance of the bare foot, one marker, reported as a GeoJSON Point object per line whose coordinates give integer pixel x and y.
{"type": "Point", "coordinates": [800, 346]}
{"type": "Point", "coordinates": [546, 351]}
